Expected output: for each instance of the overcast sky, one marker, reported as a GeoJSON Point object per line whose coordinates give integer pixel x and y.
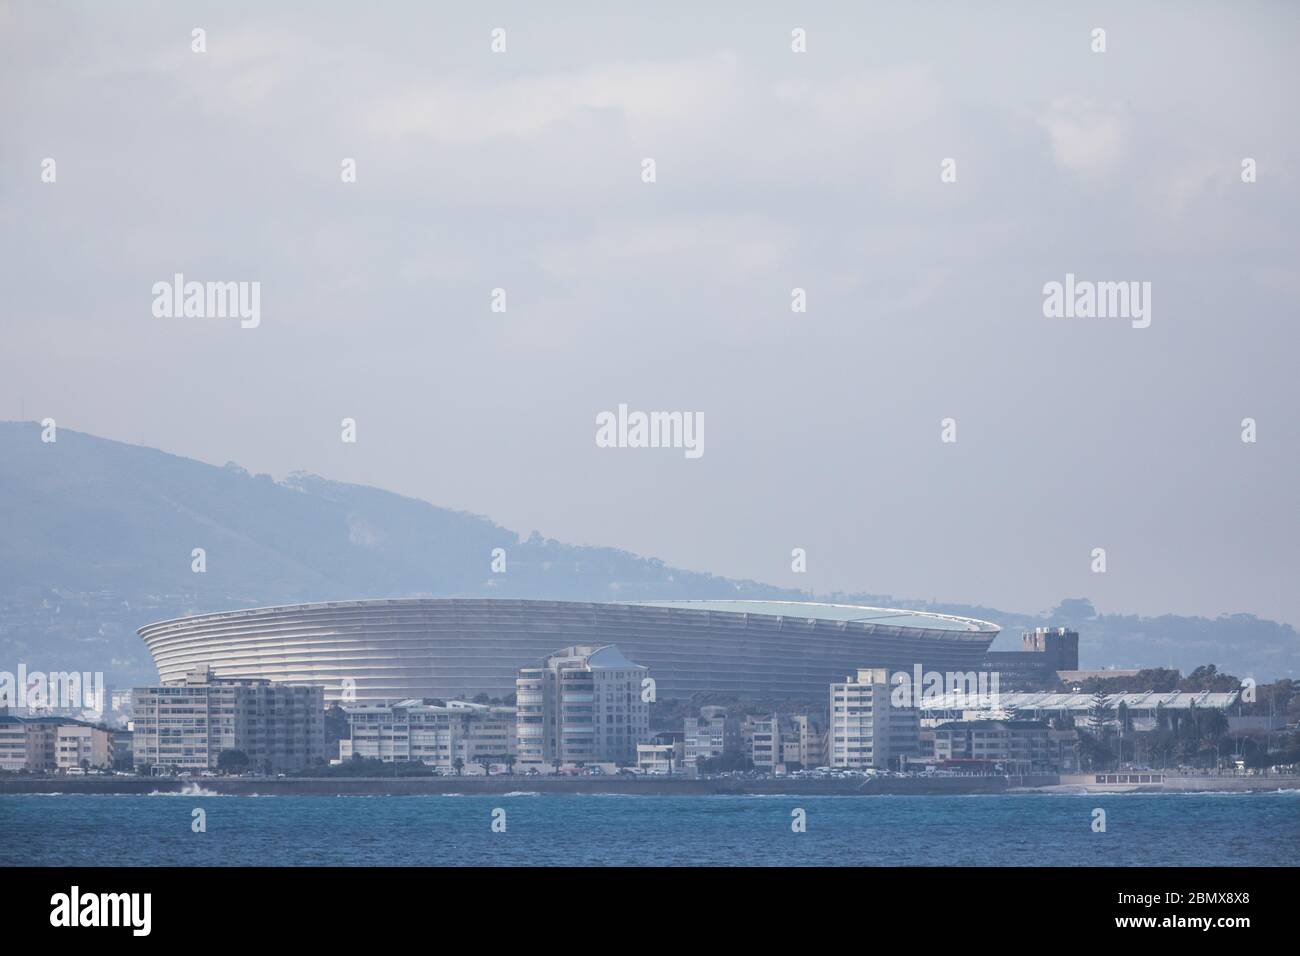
{"type": "Point", "coordinates": [820, 170]}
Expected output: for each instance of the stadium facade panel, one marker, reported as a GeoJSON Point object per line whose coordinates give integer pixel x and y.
{"type": "Point", "coordinates": [459, 647]}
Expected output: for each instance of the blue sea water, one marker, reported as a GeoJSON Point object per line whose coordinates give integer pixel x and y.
{"type": "Point", "coordinates": [1260, 829]}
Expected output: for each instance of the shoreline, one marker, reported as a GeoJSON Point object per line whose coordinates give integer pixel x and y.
{"type": "Point", "coordinates": [504, 785]}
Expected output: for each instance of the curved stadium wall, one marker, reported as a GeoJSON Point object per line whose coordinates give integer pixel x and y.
{"type": "Point", "coordinates": [455, 647]}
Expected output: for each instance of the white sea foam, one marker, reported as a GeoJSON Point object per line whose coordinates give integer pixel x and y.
{"type": "Point", "coordinates": [189, 790]}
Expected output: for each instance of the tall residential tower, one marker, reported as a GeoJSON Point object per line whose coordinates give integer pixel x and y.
{"type": "Point", "coordinates": [867, 731]}
{"type": "Point", "coordinates": [582, 705]}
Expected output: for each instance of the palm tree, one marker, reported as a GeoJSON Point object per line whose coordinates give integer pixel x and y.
{"type": "Point", "coordinates": [458, 765]}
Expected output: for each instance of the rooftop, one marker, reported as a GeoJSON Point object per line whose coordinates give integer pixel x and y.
{"type": "Point", "coordinates": [1141, 700]}
{"type": "Point", "coordinates": [796, 610]}
{"type": "Point", "coordinates": [835, 612]}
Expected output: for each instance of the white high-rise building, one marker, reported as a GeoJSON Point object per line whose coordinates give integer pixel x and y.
{"type": "Point", "coordinates": [582, 705]}
{"type": "Point", "coordinates": [866, 730]}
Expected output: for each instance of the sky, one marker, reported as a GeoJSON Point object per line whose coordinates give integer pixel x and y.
{"type": "Point", "coordinates": [820, 170]}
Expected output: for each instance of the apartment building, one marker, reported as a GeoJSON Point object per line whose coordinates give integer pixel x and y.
{"type": "Point", "coordinates": [665, 753]}
{"type": "Point", "coordinates": [787, 740]}
{"type": "Point", "coordinates": [581, 705]}
{"type": "Point", "coordinates": [46, 743]}
{"type": "Point", "coordinates": [804, 743]}
{"type": "Point", "coordinates": [1019, 746]}
{"type": "Point", "coordinates": [765, 743]}
{"type": "Point", "coordinates": [866, 730]}
{"type": "Point", "coordinates": [430, 732]}
{"type": "Point", "coordinates": [709, 736]}
{"type": "Point", "coordinates": [82, 745]}
{"type": "Point", "coordinates": [186, 725]}
{"type": "Point", "coordinates": [25, 744]}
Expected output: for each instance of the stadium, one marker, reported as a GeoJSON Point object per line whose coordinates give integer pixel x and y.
{"type": "Point", "coordinates": [453, 647]}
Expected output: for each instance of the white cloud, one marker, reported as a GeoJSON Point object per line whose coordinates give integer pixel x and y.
{"type": "Point", "coordinates": [726, 248]}
{"type": "Point", "coordinates": [888, 99]}
{"type": "Point", "coordinates": [645, 95]}
{"type": "Point", "coordinates": [1085, 138]}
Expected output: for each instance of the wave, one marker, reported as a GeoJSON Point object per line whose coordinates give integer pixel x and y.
{"type": "Point", "coordinates": [189, 790]}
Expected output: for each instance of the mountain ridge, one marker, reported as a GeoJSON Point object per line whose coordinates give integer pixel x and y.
{"type": "Point", "coordinates": [98, 540]}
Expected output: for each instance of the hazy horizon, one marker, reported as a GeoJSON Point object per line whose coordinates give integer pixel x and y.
{"type": "Point", "coordinates": [776, 170]}
{"type": "Point", "coordinates": [1009, 638]}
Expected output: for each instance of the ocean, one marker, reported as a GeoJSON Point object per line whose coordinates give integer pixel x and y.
{"type": "Point", "coordinates": [1169, 829]}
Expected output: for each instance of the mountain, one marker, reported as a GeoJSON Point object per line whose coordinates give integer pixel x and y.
{"type": "Point", "coordinates": [97, 539]}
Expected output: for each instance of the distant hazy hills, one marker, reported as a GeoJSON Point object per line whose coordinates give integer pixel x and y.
{"type": "Point", "coordinates": [86, 515]}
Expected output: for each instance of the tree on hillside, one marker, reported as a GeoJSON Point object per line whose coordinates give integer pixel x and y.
{"type": "Point", "coordinates": [1074, 610]}
{"type": "Point", "coordinates": [1208, 677]}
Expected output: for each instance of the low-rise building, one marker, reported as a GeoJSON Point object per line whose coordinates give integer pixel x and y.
{"type": "Point", "coordinates": [1141, 710]}
{"type": "Point", "coordinates": [663, 754]}
{"type": "Point", "coordinates": [804, 743]}
{"type": "Point", "coordinates": [709, 736]}
{"type": "Point", "coordinates": [787, 741]}
{"type": "Point", "coordinates": [13, 743]}
{"type": "Point", "coordinates": [45, 743]}
{"type": "Point", "coordinates": [431, 732]}
{"type": "Point", "coordinates": [1016, 746]}
{"type": "Point", "coordinates": [82, 745]}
